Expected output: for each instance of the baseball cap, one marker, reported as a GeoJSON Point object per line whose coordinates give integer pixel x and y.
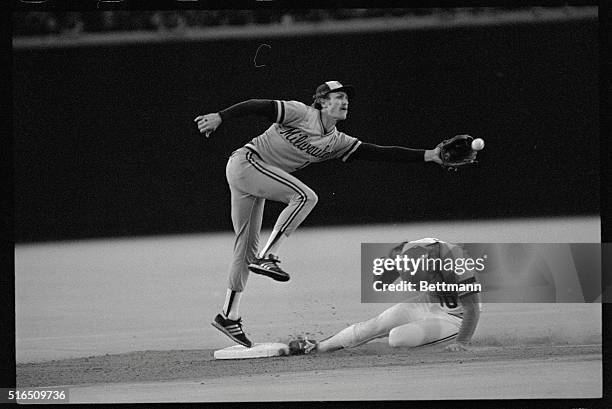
{"type": "Point", "coordinates": [333, 86]}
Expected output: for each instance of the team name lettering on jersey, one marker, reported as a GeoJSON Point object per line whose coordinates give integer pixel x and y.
{"type": "Point", "coordinates": [299, 140]}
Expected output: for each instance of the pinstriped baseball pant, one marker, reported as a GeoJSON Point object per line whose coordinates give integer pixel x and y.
{"type": "Point", "coordinates": [251, 183]}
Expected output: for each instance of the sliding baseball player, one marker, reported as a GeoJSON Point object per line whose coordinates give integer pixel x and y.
{"type": "Point", "coordinates": [428, 318]}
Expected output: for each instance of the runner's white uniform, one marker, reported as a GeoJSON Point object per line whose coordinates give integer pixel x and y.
{"type": "Point", "coordinates": [425, 318]}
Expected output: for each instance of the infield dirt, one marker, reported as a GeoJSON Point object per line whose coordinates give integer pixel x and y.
{"type": "Point", "coordinates": [128, 320]}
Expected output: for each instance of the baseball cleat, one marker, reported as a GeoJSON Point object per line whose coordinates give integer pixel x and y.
{"type": "Point", "coordinates": [269, 267]}
{"type": "Point", "coordinates": [302, 346]}
{"type": "Point", "coordinates": [232, 328]}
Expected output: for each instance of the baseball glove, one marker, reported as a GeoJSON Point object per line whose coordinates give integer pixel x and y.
{"type": "Point", "coordinates": [457, 152]}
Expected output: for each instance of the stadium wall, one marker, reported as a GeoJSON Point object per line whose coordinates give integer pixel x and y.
{"type": "Point", "coordinates": [105, 144]}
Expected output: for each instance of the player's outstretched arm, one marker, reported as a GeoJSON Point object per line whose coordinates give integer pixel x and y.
{"type": "Point", "coordinates": [379, 153]}
{"type": "Point", "coordinates": [208, 123]}
{"type": "Point", "coordinates": [471, 315]}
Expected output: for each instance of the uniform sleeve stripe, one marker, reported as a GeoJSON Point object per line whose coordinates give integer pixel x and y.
{"type": "Point", "coordinates": [280, 112]}
{"type": "Point", "coordinates": [351, 150]}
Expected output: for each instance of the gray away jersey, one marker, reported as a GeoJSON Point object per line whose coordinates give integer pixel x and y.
{"type": "Point", "coordinates": [297, 139]}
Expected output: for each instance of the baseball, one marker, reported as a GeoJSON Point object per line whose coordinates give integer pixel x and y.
{"type": "Point", "coordinates": [477, 144]}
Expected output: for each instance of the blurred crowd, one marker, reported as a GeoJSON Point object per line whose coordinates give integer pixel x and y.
{"type": "Point", "coordinates": [46, 23]}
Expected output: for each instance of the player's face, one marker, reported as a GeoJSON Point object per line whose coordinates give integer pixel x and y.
{"type": "Point", "coordinates": [336, 105]}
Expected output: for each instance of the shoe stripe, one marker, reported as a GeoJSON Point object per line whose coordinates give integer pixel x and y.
{"type": "Point", "coordinates": [267, 172]}
{"type": "Point", "coordinates": [267, 269]}
{"type": "Point", "coordinates": [276, 275]}
{"type": "Point", "coordinates": [244, 341]}
{"type": "Point", "coordinates": [270, 266]}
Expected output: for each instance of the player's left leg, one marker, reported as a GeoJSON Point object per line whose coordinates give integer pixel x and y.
{"type": "Point", "coordinates": [377, 327]}
{"type": "Point", "coordinates": [433, 328]}
{"type": "Point", "coordinates": [272, 183]}
{"type": "Point", "coordinates": [281, 186]}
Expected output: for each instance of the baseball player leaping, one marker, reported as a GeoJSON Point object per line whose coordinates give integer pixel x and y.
{"type": "Point", "coordinates": [427, 318]}
{"type": "Point", "coordinates": [261, 170]}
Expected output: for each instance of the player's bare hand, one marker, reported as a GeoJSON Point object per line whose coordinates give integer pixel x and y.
{"type": "Point", "coordinates": [433, 155]}
{"type": "Point", "coordinates": [208, 123]}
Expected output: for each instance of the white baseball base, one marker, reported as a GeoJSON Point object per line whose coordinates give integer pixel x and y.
{"type": "Point", "coordinates": [263, 350]}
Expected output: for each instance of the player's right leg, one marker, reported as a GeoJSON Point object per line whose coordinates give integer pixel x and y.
{"type": "Point", "coordinates": [377, 327]}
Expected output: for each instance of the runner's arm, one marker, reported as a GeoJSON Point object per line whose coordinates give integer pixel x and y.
{"type": "Point", "coordinates": [471, 315]}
